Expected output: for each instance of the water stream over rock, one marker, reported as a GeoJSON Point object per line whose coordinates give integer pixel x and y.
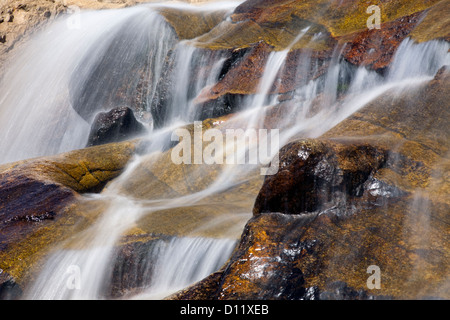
{"type": "Point", "coordinates": [163, 226]}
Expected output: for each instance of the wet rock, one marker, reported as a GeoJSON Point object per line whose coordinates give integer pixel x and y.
{"type": "Point", "coordinates": [41, 205]}
{"type": "Point", "coordinates": [205, 289]}
{"type": "Point", "coordinates": [84, 170]}
{"type": "Point", "coordinates": [243, 77]}
{"type": "Point", "coordinates": [254, 30]}
{"type": "Point", "coordinates": [9, 290]}
{"type": "Point", "coordinates": [164, 107]}
{"type": "Point", "coordinates": [311, 176]}
{"type": "Point", "coordinates": [132, 267]}
{"type": "Point", "coordinates": [26, 203]}
{"type": "Point", "coordinates": [442, 73]}
{"type": "Point", "coordinates": [113, 126]}
{"type": "Point", "coordinates": [375, 48]}
{"type": "Point", "coordinates": [369, 192]}
{"type": "Point", "coordinates": [321, 256]}
{"type": "Point", "coordinates": [158, 177]}
{"type": "Point", "coordinates": [162, 98]}
{"type": "Point", "coordinates": [124, 74]}
{"type": "Point", "coordinates": [278, 22]}
{"type": "Point", "coordinates": [257, 29]}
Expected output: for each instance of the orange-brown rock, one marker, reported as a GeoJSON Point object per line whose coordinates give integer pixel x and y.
{"type": "Point", "coordinates": [244, 77]}
{"type": "Point", "coordinates": [375, 48]}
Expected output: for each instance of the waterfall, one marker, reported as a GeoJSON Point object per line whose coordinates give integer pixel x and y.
{"type": "Point", "coordinates": [72, 76]}
{"type": "Point", "coordinates": [178, 263]}
{"type": "Point", "coordinates": [66, 74]}
{"type": "Point", "coordinates": [183, 261]}
{"type": "Point", "coordinates": [192, 70]}
{"type": "Point", "coordinates": [413, 60]}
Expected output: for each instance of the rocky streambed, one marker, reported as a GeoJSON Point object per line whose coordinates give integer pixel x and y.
{"type": "Point", "coordinates": [362, 183]}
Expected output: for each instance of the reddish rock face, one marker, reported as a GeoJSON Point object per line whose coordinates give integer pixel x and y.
{"type": "Point", "coordinates": [244, 76]}
{"type": "Point", "coordinates": [375, 48]}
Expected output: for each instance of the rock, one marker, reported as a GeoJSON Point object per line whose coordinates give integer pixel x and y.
{"type": "Point", "coordinates": [202, 290]}
{"type": "Point", "coordinates": [442, 73]}
{"type": "Point", "coordinates": [158, 177]}
{"type": "Point", "coordinates": [375, 48]}
{"type": "Point", "coordinates": [84, 170]}
{"type": "Point", "coordinates": [435, 24]}
{"type": "Point", "coordinates": [164, 97]}
{"type": "Point", "coordinates": [41, 205]}
{"type": "Point", "coordinates": [189, 24]}
{"type": "Point", "coordinates": [132, 268]}
{"type": "Point", "coordinates": [257, 29]}
{"type": "Point", "coordinates": [244, 75]}
{"type": "Point", "coordinates": [28, 202]}
{"type": "Point", "coordinates": [278, 22]}
{"type": "Point", "coordinates": [32, 235]}
{"type": "Point", "coordinates": [114, 126]}
{"type": "Point", "coordinates": [313, 174]}
{"type": "Point", "coordinates": [370, 192]}
{"type": "Point", "coordinates": [126, 70]}
{"type": "Point", "coordinates": [9, 290]}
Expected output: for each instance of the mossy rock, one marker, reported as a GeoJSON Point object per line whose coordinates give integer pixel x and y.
{"type": "Point", "coordinates": [435, 25]}
{"type": "Point", "coordinates": [277, 23]}
{"type": "Point", "coordinates": [42, 203]}
{"type": "Point", "coordinates": [191, 23]}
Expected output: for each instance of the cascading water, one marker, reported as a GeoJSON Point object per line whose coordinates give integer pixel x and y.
{"type": "Point", "coordinates": [173, 260]}
{"type": "Point", "coordinates": [67, 73]}
{"type": "Point", "coordinates": [186, 259]}
{"type": "Point", "coordinates": [191, 71]}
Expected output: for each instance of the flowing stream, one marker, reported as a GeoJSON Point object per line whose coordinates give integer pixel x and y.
{"type": "Point", "coordinates": [61, 63]}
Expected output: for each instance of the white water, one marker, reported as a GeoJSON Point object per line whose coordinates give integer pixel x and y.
{"type": "Point", "coordinates": [51, 75]}
{"type": "Point", "coordinates": [193, 70]}
{"type": "Point", "coordinates": [178, 263]}
{"type": "Point", "coordinates": [183, 260]}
